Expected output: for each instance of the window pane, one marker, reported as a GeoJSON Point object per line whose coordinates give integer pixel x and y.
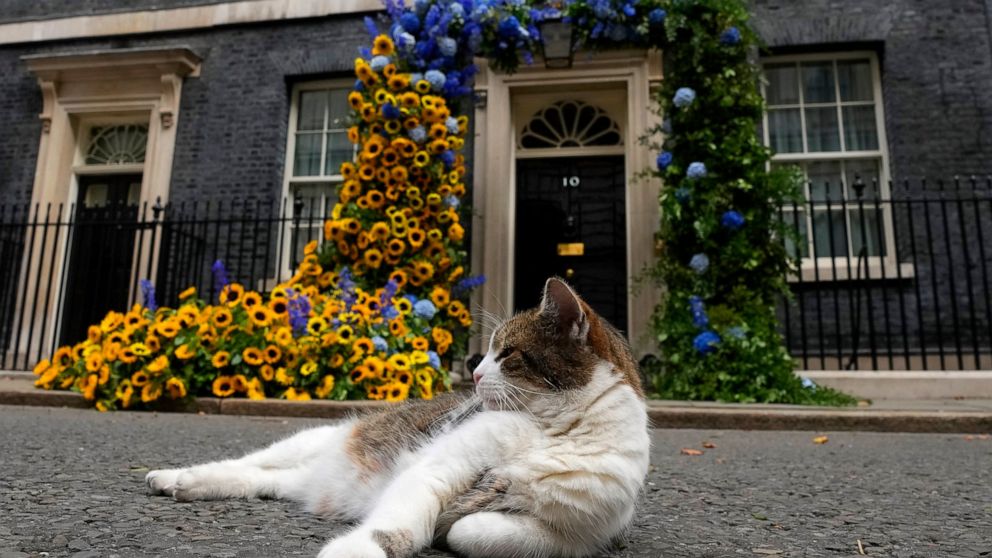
{"type": "Point", "coordinates": [312, 107]}
{"type": "Point", "coordinates": [829, 234]}
{"type": "Point", "coordinates": [785, 131]}
{"type": "Point", "coordinates": [867, 171]}
{"type": "Point", "coordinates": [783, 84]}
{"type": "Point", "coordinates": [307, 159]}
{"type": "Point", "coordinates": [818, 82]}
{"type": "Point", "coordinates": [340, 111]}
{"type": "Point", "coordinates": [860, 133]}
{"type": "Point", "coordinates": [865, 231]}
{"type": "Point", "coordinates": [825, 181]}
{"type": "Point", "coordinates": [796, 220]}
{"type": "Point", "coordinates": [822, 130]}
{"type": "Point", "coordinates": [854, 78]}
{"type": "Point", "coordinates": [339, 150]}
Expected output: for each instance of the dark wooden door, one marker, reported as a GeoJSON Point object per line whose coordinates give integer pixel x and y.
{"type": "Point", "coordinates": [571, 222]}
{"type": "Point", "coordinates": [98, 278]}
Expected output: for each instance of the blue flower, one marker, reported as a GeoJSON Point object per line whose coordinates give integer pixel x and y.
{"type": "Point", "coordinates": [629, 10]}
{"type": "Point", "coordinates": [618, 32]}
{"type": "Point", "coordinates": [390, 111]}
{"type": "Point", "coordinates": [379, 62]}
{"type": "Point", "coordinates": [698, 310]}
{"type": "Point", "coordinates": [406, 42]}
{"type": "Point", "coordinates": [706, 342]}
{"type": "Point", "coordinates": [509, 28]}
{"type": "Point", "coordinates": [434, 360]}
{"type": "Point", "coordinates": [732, 220]}
{"type": "Point", "coordinates": [666, 126]}
{"type": "Point", "coordinates": [657, 16]}
{"type": "Point", "coordinates": [299, 312]}
{"type": "Point", "coordinates": [410, 22]}
{"type": "Point", "coordinates": [447, 46]}
{"type": "Point", "coordinates": [682, 194]}
{"type": "Point", "coordinates": [448, 157]}
{"type": "Point", "coordinates": [684, 97]}
{"type": "Point", "coordinates": [359, 86]}
{"type": "Point", "coordinates": [730, 37]}
{"type": "Point", "coordinates": [418, 134]}
{"type": "Point", "coordinates": [456, 9]}
{"type": "Point", "coordinates": [468, 284]}
{"type": "Point", "coordinates": [424, 309]}
{"type": "Point", "coordinates": [148, 294]}
{"type": "Point", "coordinates": [452, 201]}
{"type": "Point", "coordinates": [700, 263]}
{"type": "Point", "coordinates": [809, 384]}
{"type": "Point", "coordinates": [451, 124]}
{"type": "Point", "coordinates": [696, 171]}
{"type": "Point", "coordinates": [435, 78]}
{"type": "Point", "coordinates": [664, 160]}
{"type": "Point", "coordinates": [390, 312]}
{"type": "Point", "coordinates": [380, 344]}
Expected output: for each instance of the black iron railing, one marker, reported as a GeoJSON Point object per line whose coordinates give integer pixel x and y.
{"type": "Point", "coordinates": [894, 277]}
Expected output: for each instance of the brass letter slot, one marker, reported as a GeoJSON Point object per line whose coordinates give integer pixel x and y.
{"type": "Point", "coordinates": [572, 249]}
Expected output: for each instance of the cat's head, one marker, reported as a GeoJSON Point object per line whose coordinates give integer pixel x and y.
{"type": "Point", "coordinates": [550, 351]}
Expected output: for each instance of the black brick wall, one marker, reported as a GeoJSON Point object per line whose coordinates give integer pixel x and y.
{"type": "Point", "coordinates": [23, 10]}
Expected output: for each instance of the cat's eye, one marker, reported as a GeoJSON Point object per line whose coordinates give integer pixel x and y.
{"type": "Point", "coordinates": [505, 353]}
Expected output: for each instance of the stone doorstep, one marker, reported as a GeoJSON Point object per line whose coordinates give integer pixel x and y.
{"type": "Point", "coordinates": [967, 418]}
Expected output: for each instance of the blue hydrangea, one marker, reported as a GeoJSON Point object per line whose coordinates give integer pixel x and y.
{"type": "Point", "coordinates": [425, 309]}
{"type": "Point", "coordinates": [510, 28]}
{"type": "Point", "coordinates": [421, 6]}
{"type": "Point", "coordinates": [618, 32]}
{"type": "Point", "coordinates": [706, 342]}
{"type": "Point", "coordinates": [390, 312]}
{"type": "Point", "coordinates": [359, 86]}
{"type": "Point", "coordinates": [698, 310]}
{"type": "Point", "coordinates": [390, 111]}
{"type": "Point", "coordinates": [684, 97]}
{"type": "Point", "coordinates": [416, 76]}
{"type": "Point", "coordinates": [666, 126]}
{"type": "Point", "coordinates": [809, 384]}
{"type": "Point", "coordinates": [447, 46]}
{"type": "Point", "coordinates": [700, 263]}
{"type": "Point", "coordinates": [737, 332]}
{"type": "Point", "coordinates": [436, 79]}
{"type": "Point", "coordinates": [380, 344]}
{"type": "Point", "coordinates": [731, 37]}
{"type": "Point", "coordinates": [434, 360]}
{"type": "Point", "coordinates": [418, 134]}
{"type": "Point", "coordinates": [451, 124]}
{"type": "Point", "coordinates": [406, 42]}
{"type": "Point", "coordinates": [732, 220]}
{"type": "Point", "coordinates": [456, 9]}
{"type": "Point", "coordinates": [696, 171]}
{"type": "Point", "coordinates": [148, 294]}
{"type": "Point", "coordinates": [682, 194]}
{"type": "Point", "coordinates": [452, 201]}
{"type": "Point", "coordinates": [448, 157]}
{"type": "Point", "coordinates": [657, 16]}
{"type": "Point", "coordinates": [410, 22]}
{"type": "Point", "coordinates": [664, 160]}
{"type": "Point", "coordinates": [379, 62]}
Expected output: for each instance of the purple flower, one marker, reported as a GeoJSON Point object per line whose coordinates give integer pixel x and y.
{"type": "Point", "coordinates": [706, 342]}
{"type": "Point", "coordinates": [732, 220]}
{"type": "Point", "coordinates": [220, 275]}
{"type": "Point", "coordinates": [696, 171]}
{"type": "Point", "coordinates": [731, 37]}
{"type": "Point", "coordinates": [148, 294]}
{"type": "Point", "coordinates": [299, 312]}
{"type": "Point", "coordinates": [699, 263]}
{"type": "Point", "coordinates": [684, 97]}
{"type": "Point", "coordinates": [664, 160]}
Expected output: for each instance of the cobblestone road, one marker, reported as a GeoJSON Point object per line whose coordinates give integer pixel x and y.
{"type": "Point", "coordinates": [71, 484]}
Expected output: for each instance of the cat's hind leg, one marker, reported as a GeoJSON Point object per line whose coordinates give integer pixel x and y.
{"type": "Point", "coordinates": [485, 534]}
{"type": "Point", "coordinates": [278, 471]}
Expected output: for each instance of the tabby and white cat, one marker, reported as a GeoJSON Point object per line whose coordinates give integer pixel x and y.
{"type": "Point", "coordinates": [546, 459]}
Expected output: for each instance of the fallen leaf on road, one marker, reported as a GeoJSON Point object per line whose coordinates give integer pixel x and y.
{"type": "Point", "coordinates": [861, 549]}
{"type": "Point", "coordinates": [709, 445]}
{"type": "Point", "coordinates": [821, 440]}
{"type": "Point", "coordinates": [759, 516]}
{"type": "Point", "coordinates": [766, 551]}
{"type": "Point", "coordinates": [687, 451]}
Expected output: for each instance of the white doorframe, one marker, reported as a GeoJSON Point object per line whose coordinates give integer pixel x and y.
{"type": "Point", "coordinates": [632, 72]}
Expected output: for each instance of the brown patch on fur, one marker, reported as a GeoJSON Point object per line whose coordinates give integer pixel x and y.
{"type": "Point", "coordinates": [488, 493]}
{"type": "Point", "coordinates": [378, 439]}
{"type": "Point", "coordinates": [536, 346]}
{"type": "Point", "coordinates": [396, 544]}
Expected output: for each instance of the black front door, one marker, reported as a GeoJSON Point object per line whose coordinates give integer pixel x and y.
{"type": "Point", "coordinates": [571, 222]}
{"type": "Point", "coordinates": [98, 278]}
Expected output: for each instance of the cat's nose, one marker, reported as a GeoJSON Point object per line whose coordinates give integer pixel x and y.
{"type": "Point", "coordinates": [477, 376]}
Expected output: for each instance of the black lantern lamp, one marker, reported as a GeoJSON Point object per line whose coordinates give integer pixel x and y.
{"type": "Point", "coordinates": [557, 38]}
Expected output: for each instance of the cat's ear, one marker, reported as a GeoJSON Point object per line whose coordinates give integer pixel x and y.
{"type": "Point", "coordinates": [563, 307]}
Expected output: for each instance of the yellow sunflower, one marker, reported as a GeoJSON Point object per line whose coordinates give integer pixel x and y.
{"type": "Point", "coordinates": [188, 293]}
{"type": "Point", "coordinates": [252, 356]}
{"type": "Point", "coordinates": [383, 46]}
{"type": "Point", "coordinates": [223, 386]}
{"type": "Point", "coordinates": [221, 359]}
{"type": "Point", "coordinates": [176, 388]}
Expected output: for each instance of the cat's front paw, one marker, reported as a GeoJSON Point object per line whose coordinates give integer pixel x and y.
{"type": "Point", "coordinates": [163, 481]}
{"type": "Point", "coordinates": [357, 544]}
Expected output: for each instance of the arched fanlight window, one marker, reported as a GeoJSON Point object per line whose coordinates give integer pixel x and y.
{"type": "Point", "coordinates": [117, 145]}
{"type": "Point", "coordinates": [570, 124]}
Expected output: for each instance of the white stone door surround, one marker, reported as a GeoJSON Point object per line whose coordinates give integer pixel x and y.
{"type": "Point", "coordinates": [628, 75]}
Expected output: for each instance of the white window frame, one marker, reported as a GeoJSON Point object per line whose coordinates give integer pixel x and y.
{"type": "Point", "coordinates": [290, 181]}
{"type": "Point", "coordinates": [827, 268]}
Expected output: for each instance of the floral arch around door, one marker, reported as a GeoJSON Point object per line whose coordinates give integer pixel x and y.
{"type": "Point", "coordinates": [375, 309]}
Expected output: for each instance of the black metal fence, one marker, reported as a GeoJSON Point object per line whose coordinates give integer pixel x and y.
{"type": "Point", "coordinates": [893, 276]}
{"type": "Point", "coordinates": [63, 267]}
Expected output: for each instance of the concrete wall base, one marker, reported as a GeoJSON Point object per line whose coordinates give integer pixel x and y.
{"type": "Point", "coordinates": [906, 385]}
